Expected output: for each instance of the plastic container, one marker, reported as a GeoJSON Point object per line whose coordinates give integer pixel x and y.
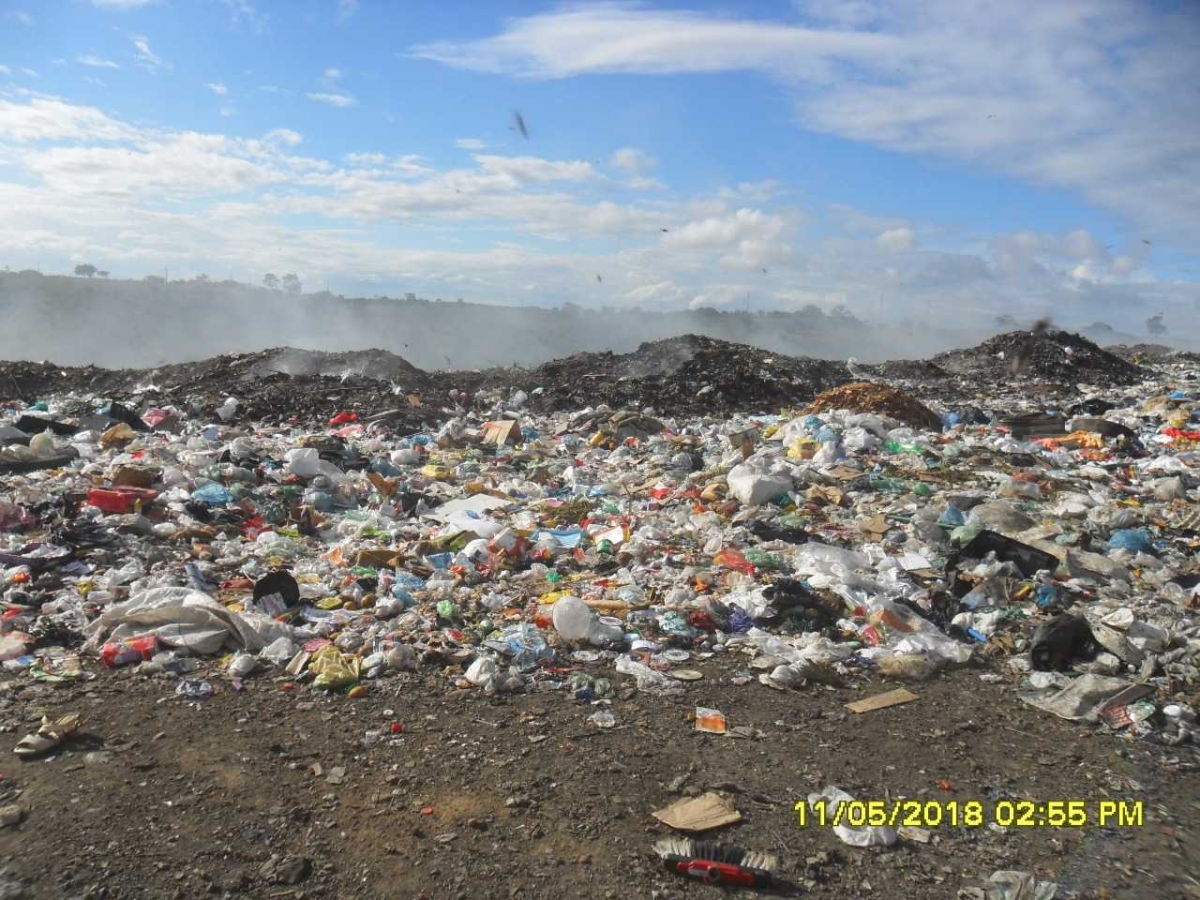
{"type": "Point", "coordinates": [572, 618]}
{"type": "Point", "coordinates": [120, 500]}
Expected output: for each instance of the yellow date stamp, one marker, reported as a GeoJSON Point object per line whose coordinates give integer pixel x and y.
{"type": "Point", "coordinates": [914, 813]}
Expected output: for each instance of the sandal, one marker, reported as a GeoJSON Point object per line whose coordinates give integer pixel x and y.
{"type": "Point", "coordinates": [48, 737]}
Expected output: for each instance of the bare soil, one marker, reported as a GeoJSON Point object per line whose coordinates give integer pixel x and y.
{"type": "Point", "coordinates": [520, 797]}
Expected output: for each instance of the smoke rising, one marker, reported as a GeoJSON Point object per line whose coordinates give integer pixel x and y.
{"type": "Point", "coordinates": [119, 324]}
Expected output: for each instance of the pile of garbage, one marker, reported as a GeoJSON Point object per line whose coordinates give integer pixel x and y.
{"type": "Point", "coordinates": [514, 550]}
{"type": "Point", "coordinates": [686, 375]}
{"type": "Point", "coordinates": [866, 396]}
{"type": "Point", "coordinates": [1058, 358]}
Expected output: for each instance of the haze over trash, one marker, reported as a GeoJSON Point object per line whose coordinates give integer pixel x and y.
{"type": "Point", "coordinates": [908, 162]}
{"type": "Point", "coordinates": [81, 321]}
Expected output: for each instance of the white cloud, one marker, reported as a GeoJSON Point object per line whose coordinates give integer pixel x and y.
{"type": "Point", "coordinates": [897, 240]}
{"type": "Point", "coordinates": [663, 294]}
{"type": "Point", "coordinates": [724, 231]}
{"type": "Point", "coordinates": [749, 238]}
{"type": "Point", "coordinates": [227, 111]}
{"type": "Point", "coordinates": [19, 15]}
{"type": "Point", "coordinates": [32, 73]}
{"type": "Point", "coordinates": [217, 88]}
{"type": "Point", "coordinates": [534, 169]}
{"type": "Point", "coordinates": [44, 118]}
{"type": "Point", "coordinates": [1081, 96]}
{"type": "Point", "coordinates": [633, 160]}
{"type": "Point", "coordinates": [469, 144]}
{"type": "Point", "coordinates": [5, 70]}
{"type": "Point", "coordinates": [331, 74]}
{"type": "Point", "coordinates": [754, 191]}
{"type": "Point", "coordinates": [626, 38]}
{"type": "Point", "coordinates": [345, 9]}
{"type": "Point", "coordinates": [333, 99]}
{"type": "Point", "coordinates": [146, 57]}
{"type": "Point", "coordinates": [122, 4]}
{"type": "Point", "coordinates": [96, 62]}
{"type": "Point", "coordinates": [88, 182]}
{"type": "Point", "coordinates": [721, 296]}
{"type": "Point", "coordinates": [642, 183]}
{"type": "Point", "coordinates": [284, 136]}
{"type": "Point", "coordinates": [411, 164]}
{"type": "Point", "coordinates": [181, 165]}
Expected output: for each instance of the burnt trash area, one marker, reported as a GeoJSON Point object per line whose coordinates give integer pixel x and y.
{"type": "Point", "coordinates": [1054, 358]}
{"type": "Point", "coordinates": [685, 375]}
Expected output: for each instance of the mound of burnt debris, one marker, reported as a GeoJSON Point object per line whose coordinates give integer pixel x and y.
{"type": "Point", "coordinates": [681, 376]}
{"type": "Point", "coordinates": [1046, 355]}
{"type": "Point", "coordinates": [1153, 354]}
{"type": "Point", "coordinates": [684, 375]}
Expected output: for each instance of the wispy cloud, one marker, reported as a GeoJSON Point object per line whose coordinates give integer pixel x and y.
{"type": "Point", "coordinates": [217, 88]}
{"type": "Point", "coordinates": [19, 15]}
{"type": "Point", "coordinates": [366, 159]}
{"type": "Point", "coordinates": [122, 4]}
{"type": "Point", "coordinates": [897, 239]}
{"type": "Point", "coordinates": [227, 111]}
{"type": "Point", "coordinates": [1081, 96]}
{"type": "Point", "coordinates": [96, 62]}
{"type": "Point", "coordinates": [633, 160]}
{"type": "Point", "coordinates": [147, 194]}
{"type": "Point", "coordinates": [146, 58]}
{"type": "Point", "coordinates": [245, 12]}
{"type": "Point", "coordinates": [332, 99]}
{"type": "Point", "coordinates": [345, 9]}
{"type": "Point", "coordinates": [5, 70]}
{"type": "Point", "coordinates": [469, 144]}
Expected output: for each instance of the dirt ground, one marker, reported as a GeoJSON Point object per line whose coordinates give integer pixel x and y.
{"type": "Point", "coordinates": [272, 793]}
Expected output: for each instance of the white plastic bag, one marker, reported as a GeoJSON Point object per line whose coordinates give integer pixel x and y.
{"type": "Point", "coordinates": [864, 836]}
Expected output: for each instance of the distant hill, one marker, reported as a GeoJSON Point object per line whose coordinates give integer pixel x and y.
{"type": "Point", "coordinates": [77, 321]}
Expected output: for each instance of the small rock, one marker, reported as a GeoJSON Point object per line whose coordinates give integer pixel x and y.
{"type": "Point", "coordinates": [288, 870]}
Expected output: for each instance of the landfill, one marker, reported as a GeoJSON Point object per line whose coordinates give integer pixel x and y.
{"type": "Point", "coordinates": [682, 535]}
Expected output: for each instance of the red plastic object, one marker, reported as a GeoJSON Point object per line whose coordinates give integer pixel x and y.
{"type": "Point", "coordinates": [120, 500]}
{"type": "Point", "coordinates": [131, 650]}
{"type": "Point", "coordinates": [344, 418]}
{"type": "Point", "coordinates": [718, 873]}
{"type": "Point", "coordinates": [733, 558]}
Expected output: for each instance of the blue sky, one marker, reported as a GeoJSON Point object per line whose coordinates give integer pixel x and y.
{"type": "Point", "coordinates": [916, 157]}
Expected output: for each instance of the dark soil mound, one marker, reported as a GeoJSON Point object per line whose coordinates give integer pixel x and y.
{"type": "Point", "coordinates": [1049, 356]}
{"type": "Point", "coordinates": [688, 375]}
